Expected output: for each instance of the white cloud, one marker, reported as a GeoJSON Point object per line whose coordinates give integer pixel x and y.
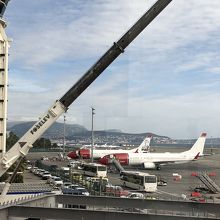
{"type": "Point", "coordinates": [200, 60]}
{"type": "Point", "coordinates": [214, 70]}
{"type": "Point", "coordinates": [177, 116]}
{"type": "Point", "coordinates": [24, 85]}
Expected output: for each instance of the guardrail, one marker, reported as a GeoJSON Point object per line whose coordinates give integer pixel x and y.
{"type": "Point", "coordinates": [10, 200]}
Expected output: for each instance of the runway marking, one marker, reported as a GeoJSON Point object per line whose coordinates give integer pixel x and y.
{"type": "Point", "coordinates": [172, 194]}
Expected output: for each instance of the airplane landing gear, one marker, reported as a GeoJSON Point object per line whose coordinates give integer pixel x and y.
{"type": "Point", "coordinates": [158, 167]}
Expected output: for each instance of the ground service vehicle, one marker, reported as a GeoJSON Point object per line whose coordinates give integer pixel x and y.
{"type": "Point", "coordinates": [98, 179]}
{"type": "Point", "coordinates": [117, 191]}
{"type": "Point", "coordinates": [139, 180]}
{"type": "Point", "coordinates": [65, 171]}
{"type": "Point", "coordinates": [93, 169]}
{"type": "Point", "coordinates": [22, 147]}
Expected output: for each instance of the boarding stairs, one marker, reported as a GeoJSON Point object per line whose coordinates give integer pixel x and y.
{"type": "Point", "coordinates": [117, 165]}
{"type": "Point", "coordinates": [209, 183]}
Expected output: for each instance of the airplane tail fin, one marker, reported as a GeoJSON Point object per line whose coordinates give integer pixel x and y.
{"type": "Point", "coordinates": [144, 145]}
{"type": "Point", "coordinates": [198, 147]}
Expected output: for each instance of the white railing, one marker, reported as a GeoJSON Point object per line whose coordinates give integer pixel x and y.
{"type": "Point", "coordinates": [10, 200]}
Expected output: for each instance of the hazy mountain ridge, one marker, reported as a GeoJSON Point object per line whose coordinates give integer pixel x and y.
{"type": "Point", "coordinates": [210, 141]}
{"type": "Point", "coordinates": [78, 132]}
{"type": "Point", "coordinates": [55, 131]}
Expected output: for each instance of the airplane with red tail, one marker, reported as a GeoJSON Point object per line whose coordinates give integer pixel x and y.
{"type": "Point", "coordinates": [98, 153]}
{"type": "Point", "coordinates": [156, 160]}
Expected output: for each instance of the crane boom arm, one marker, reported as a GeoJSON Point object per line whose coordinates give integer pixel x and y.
{"type": "Point", "coordinates": [117, 48]}
{"type": "Point", "coordinates": [3, 5]}
{"type": "Point", "coordinates": [22, 147]}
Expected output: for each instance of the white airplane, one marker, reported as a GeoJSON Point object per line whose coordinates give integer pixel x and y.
{"type": "Point", "coordinates": [155, 160]}
{"type": "Point", "coordinates": [98, 153]}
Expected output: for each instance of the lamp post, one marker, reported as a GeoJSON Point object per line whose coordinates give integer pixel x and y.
{"type": "Point", "coordinates": [64, 134]}
{"type": "Point", "coordinates": [92, 135]}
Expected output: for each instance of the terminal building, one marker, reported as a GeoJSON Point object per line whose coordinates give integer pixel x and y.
{"type": "Point", "coordinates": [69, 207]}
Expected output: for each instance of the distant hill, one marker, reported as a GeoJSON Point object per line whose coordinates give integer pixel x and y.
{"type": "Point", "coordinates": [55, 131]}
{"type": "Point", "coordinates": [78, 133]}
{"type": "Point", "coordinates": [10, 124]}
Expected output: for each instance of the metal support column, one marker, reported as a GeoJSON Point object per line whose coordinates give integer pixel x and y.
{"type": "Point", "coordinates": [92, 135]}
{"type": "Point", "coordinates": [4, 45]}
{"type": "Point", "coordinates": [64, 135]}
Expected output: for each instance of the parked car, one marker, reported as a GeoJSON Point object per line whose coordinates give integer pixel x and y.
{"type": "Point", "coordinates": [37, 171]}
{"type": "Point", "coordinates": [41, 173]}
{"type": "Point", "coordinates": [57, 181]}
{"type": "Point", "coordinates": [28, 167]}
{"type": "Point", "coordinates": [66, 185]}
{"type": "Point", "coordinates": [65, 171]}
{"type": "Point", "coordinates": [136, 195]}
{"type": "Point", "coordinates": [82, 191]}
{"type": "Point", "coordinates": [162, 183]}
{"type": "Point", "coordinates": [46, 175]}
{"type": "Point", "coordinates": [70, 188]}
{"type": "Point", "coordinates": [75, 191]}
{"type": "Point", "coordinates": [33, 169]}
{"type": "Point", "coordinates": [73, 186]}
{"type": "Point", "coordinates": [50, 180]}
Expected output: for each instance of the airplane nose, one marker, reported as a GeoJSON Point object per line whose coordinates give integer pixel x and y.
{"type": "Point", "coordinates": [72, 155]}
{"type": "Point", "coordinates": [103, 160]}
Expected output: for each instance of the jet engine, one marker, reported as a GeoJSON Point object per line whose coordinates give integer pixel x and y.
{"type": "Point", "coordinates": [85, 153]}
{"type": "Point", "coordinates": [73, 154]}
{"type": "Point", "coordinates": [149, 165]}
{"type": "Point", "coordinates": [123, 159]}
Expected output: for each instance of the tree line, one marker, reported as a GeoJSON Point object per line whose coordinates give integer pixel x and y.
{"type": "Point", "coordinates": [10, 141]}
{"type": "Point", "coordinates": [42, 143]}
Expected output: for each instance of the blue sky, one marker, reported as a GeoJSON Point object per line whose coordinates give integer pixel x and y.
{"type": "Point", "coordinates": [167, 81]}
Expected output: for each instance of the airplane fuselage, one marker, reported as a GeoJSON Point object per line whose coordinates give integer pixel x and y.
{"type": "Point", "coordinates": [140, 158]}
